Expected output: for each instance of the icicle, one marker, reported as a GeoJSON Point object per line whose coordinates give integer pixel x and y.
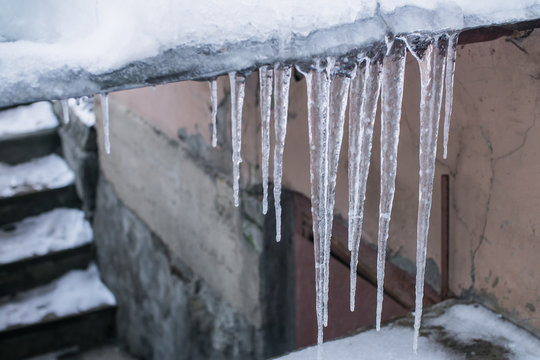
{"type": "Point", "coordinates": [78, 101]}
{"type": "Point", "coordinates": [449, 87]}
{"type": "Point", "coordinates": [318, 94]}
{"type": "Point", "coordinates": [282, 80]}
{"type": "Point", "coordinates": [265, 79]}
{"type": "Point", "coordinates": [391, 96]}
{"type": "Point", "coordinates": [339, 91]}
{"type": "Point", "coordinates": [364, 97]}
{"type": "Point", "coordinates": [238, 83]}
{"type": "Point", "coordinates": [431, 54]}
{"type": "Point", "coordinates": [105, 114]}
{"type": "Point", "coordinates": [356, 98]}
{"type": "Point", "coordinates": [213, 95]}
{"type": "Point", "coordinates": [65, 110]}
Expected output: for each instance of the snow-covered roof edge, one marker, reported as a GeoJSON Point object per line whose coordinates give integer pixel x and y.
{"type": "Point", "coordinates": [199, 62]}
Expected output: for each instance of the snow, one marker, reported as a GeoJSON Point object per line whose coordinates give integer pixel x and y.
{"type": "Point", "coordinates": [73, 293]}
{"type": "Point", "coordinates": [56, 230]}
{"type": "Point", "coordinates": [27, 119]}
{"type": "Point", "coordinates": [470, 322]}
{"type": "Point", "coordinates": [83, 109]}
{"type": "Point", "coordinates": [464, 323]}
{"type": "Point", "coordinates": [84, 38]}
{"type": "Point", "coordinates": [48, 172]}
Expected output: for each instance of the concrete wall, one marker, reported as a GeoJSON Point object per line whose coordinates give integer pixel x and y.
{"type": "Point", "coordinates": [492, 166]}
{"type": "Point", "coordinates": [158, 189]}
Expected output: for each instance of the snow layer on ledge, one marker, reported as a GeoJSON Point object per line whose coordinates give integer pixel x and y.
{"type": "Point", "coordinates": [56, 230]}
{"type": "Point", "coordinates": [73, 293]}
{"type": "Point", "coordinates": [27, 119]}
{"type": "Point", "coordinates": [459, 325]}
{"type": "Point", "coordinates": [48, 172]}
{"type": "Point", "coordinates": [58, 49]}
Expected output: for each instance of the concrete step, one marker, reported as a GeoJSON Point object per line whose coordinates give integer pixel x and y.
{"type": "Point", "coordinates": [28, 132]}
{"type": "Point", "coordinates": [34, 187]}
{"type": "Point", "coordinates": [76, 310]}
{"type": "Point", "coordinates": [39, 249]}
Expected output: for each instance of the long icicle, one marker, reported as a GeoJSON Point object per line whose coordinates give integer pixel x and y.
{"type": "Point", "coordinates": [449, 87]}
{"type": "Point", "coordinates": [431, 54]}
{"type": "Point", "coordinates": [65, 110]}
{"type": "Point", "coordinates": [282, 81]}
{"type": "Point", "coordinates": [214, 98]}
{"type": "Point", "coordinates": [364, 122]}
{"type": "Point", "coordinates": [265, 96]}
{"type": "Point", "coordinates": [238, 83]}
{"type": "Point", "coordinates": [391, 97]}
{"type": "Point", "coordinates": [339, 92]}
{"type": "Point", "coordinates": [105, 113]}
{"type": "Point", "coordinates": [318, 94]}
{"type": "Point", "coordinates": [355, 106]}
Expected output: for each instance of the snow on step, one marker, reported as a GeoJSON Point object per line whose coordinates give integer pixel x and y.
{"type": "Point", "coordinates": [76, 292]}
{"type": "Point", "coordinates": [27, 119]}
{"type": "Point", "coordinates": [459, 325]}
{"type": "Point", "coordinates": [84, 110]}
{"type": "Point", "coordinates": [53, 231]}
{"type": "Point", "coordinates": [48, 172]}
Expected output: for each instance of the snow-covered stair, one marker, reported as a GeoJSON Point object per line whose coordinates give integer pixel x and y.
{"type": "Point", "coordinates": [35, 186]}
{"type": "Point", "coordinates": [27, 132]}
{"type": "Point", "coordinates": [38, 249]}
{"type": "Point", "coordinates": [51, 295]}
{"type": "Point", "coordinates": [76, 310]}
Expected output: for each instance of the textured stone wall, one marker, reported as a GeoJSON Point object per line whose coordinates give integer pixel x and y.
{"type": "Point", "coordinates": [165, 310]}
{"type": "Point", "coordinates": [195, 277]}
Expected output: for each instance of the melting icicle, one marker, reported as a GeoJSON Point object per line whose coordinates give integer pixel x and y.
{"type": "Point", "coordinates": [265, 79]}
{"type": "Point", "coordinates": [356, 98]}
{"type": "Point", "coordinates": [238, 83]}
{"type": "Point", "coordinates": [282, 81]}
{"type": "Point", "coordinates": [391, 96]}
{"type": "Point", "coordinates": [213, 95]}
{"type": "Point", "coordinates": [339, 91]}
{"type": "Point", "coordinates": [65, 110]}
{"type": "Point", "coordinates": [431, 54]}
{"type": "Point", "coordinates": [318, 94]}
{"type": "Point", "coordinates": [364, 97]}
{"type": "Point", "coordinates": [449, 87]}
{"type": "Point", "coordinates": [105, 113]}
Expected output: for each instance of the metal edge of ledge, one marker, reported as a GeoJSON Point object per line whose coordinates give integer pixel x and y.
{"type": "Point", "coordinates": [209, 61]}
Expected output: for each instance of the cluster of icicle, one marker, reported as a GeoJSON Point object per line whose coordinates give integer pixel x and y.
{"type": "Point", "coordinates": [358, 77]}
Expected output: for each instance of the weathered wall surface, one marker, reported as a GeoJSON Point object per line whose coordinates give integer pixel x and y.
{"type": "Point", "coordinates": [492, 164]}
{"type": "Point", "coordinates": [165, 311]}
{"type": "Point", "coordinates": [162, 202]}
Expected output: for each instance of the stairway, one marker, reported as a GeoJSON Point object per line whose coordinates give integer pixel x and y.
{"type": "Point", "coordinates": [51, 295]}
